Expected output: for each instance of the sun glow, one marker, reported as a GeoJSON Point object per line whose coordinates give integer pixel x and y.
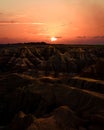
{"type": "Point", "coordinates": [53, 39]}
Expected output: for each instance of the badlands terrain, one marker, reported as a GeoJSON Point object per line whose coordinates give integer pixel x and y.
{"type": "Point", "coordinates": [51, 87]}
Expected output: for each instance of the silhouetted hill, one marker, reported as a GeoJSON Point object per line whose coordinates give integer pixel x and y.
{"type": "Point", "coordinates": [95, 71]}
{"type": "Point", "coordinates": [51, 87]}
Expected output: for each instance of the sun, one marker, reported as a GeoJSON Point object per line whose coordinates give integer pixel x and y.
{"type": "Point", "coordinates": [53, 39]}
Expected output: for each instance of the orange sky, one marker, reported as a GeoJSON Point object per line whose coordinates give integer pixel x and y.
{"type": "Point", "coordinates": [71, 21]}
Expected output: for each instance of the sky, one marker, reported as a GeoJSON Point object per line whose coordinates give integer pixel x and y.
{"type": "Point", "coordinates": [70, 21]}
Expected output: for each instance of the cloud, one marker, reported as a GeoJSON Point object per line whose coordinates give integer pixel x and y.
{"type": "Point", "coordinates": [98, 37]}
{"type": "Point", "coordinates": [1, 13]}
{"type": "Point", "coordinates": [7, 22]}
{"type": "Point", "coordinates": [5, 15]}
{"type": "Point", "coordinates": [6, 40]}
{"type": "Point", "coordinates": [11, 18]}
{"type": "Point", "coordinates": [16, 22]}
{"type": "Point", "coordinates": [81, 37]}
{"type": "Point", "coordinates": [43, 34]}
{"type": "Point", "coordinates": [91, 37]}
{"type": "Point", "coordinates": [58, 37]}
{"type": "Point", "coordinates": [12, 15]}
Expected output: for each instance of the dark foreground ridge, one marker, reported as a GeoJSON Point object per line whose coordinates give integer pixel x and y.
{"type": "Point", "coordinates": [51, 87]}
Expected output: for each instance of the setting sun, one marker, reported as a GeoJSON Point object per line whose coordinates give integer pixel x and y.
{"type": "Point", "coordinates": [53, 39]}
